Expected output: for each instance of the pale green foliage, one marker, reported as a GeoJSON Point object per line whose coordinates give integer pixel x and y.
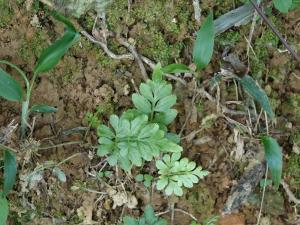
{"type": "Point", "coordinates": [132, 142]}
{"type": "Point", "coordinates": [145, 178]}
{"type": "Point", "coordinates": [156, 101]}
{"type": "Point", "coordinates": [175, 173]}
{"type": "Point", "coordinates": [148, 218]}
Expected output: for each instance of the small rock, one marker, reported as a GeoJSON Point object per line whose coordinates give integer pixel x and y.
{"type": "Point", "coordinates": [232, 219]}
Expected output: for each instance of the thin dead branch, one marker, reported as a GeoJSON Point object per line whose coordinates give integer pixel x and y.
{"type": "Point", "coordinates": [129, 56]}
{"type": "Point", "coordinates": [291, 196]}
{"type": "Point", "coordinates": [106, 49]}
{"type": "Point", "coordinates": [137, 57]}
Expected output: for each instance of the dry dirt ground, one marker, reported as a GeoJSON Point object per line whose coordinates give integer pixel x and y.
{"type": "Point", "coordinates": [88, 82]}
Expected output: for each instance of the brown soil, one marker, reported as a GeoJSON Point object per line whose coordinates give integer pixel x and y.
{"type": "Point", "coordinates": [81, 83]}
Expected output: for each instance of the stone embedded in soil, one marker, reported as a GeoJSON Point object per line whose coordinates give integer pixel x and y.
{"type": "Point", "coordinates": [232, 219]}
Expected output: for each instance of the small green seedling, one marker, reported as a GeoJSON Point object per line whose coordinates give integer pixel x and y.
{"type": "Point", "coordinates": [94, 119]}
{"type": "Point", "coordinates": [145, 178]}
{"type": "Point", "coordinates": [175, 173]}
{"type": "Point", "coordinates": [11, 90]}
{"type": "Point", "coordinates": [148, 218]}
{"type": "Point", "coordinates": [104, 174]}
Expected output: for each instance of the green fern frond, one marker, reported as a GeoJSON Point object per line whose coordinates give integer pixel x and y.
{"type": "Point", "coordinates": [175, 173]}
{"type": "Point", "coordinates": [148, 218]}
{"type": "Point", "coordinates": [131, 142]}
{"type": "Point", "coordinates": [156, 101]}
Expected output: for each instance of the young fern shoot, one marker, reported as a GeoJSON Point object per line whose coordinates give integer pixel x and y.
{"type": "Point", "coordinates": [175, 173]}
{"type": "Point", "coordinates": [141, 135]}
{"type": "Point", "coordinates": [132, 142]}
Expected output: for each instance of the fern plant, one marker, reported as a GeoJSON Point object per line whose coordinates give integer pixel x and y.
{"type": "Point", "coordinates": [132, 142]}
{"type": "Point", "coordinates": [148, 218]}
{"type": "Point", "coordinates": [175, 173]}
{"type": "Point", "coordinates": [141, 135]}
{"type": "Point", "coordinates": [156, 100]}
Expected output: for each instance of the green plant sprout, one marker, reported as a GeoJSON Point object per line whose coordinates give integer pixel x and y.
{"type": "Point", "coordinates": [133, 142]}
{"type": "Point", "coordinates": [11, 90]}
{"type": "Point", "coordinates": [175, 173]}
{"type": "Point", "coordinates": [145, 178]}
{"type": "Point", "coordinates": [141, 135]}
{"type": "Point", "coordinates": [148, 218]}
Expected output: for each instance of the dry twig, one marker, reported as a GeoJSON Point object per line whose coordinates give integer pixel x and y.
{"type": "Point", "coordinates": [137, 57]}
{"type": "Point", "coordinates": [105, 48]}
{"type": "Point", "coordinates": [291, 196]}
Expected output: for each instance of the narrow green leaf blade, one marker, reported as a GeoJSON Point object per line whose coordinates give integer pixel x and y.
{"type": "Point", "coordinates": [10, 89]}
{"type": "Point", "coordinates": [10, 171]}
{"type": "Point", "coordinates": [64, 20]}
{"type": "Point", "coordinates": [273, 156]}
{"type": "Point", "coordinates": [296, 3]}
{"type": "Point", "coordinates": [204, 45]}
{"type": "Point", "coordinates": [176, 68]}
{"type": "Point", "coordinates": [283, 5]}
{"type": "Point", "coordinates": [51, 55]}
{"type": "Point", "coordinates": [157, 73]}
{"type": "Point", "coordinates": [43, 109]}
{"type": "Point", "coordinates": [257, 93]}
{"type": "Point", "coordinates": [3, 209]}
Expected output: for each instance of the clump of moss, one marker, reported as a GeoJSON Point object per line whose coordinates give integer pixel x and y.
{"type": "Point", "coordinates": [292, 171]}
{"type": "Point", "coordinates": [223, 7]}
{"type": "Point", "coordinates": [228, 38]}
{"type": "Point", "coordinates": [32, 47]}
{"type": "Point", "coordinates": [262, 46]}
{"type": "Point", "coordinates": [88, 21]}
{"type": "Point", "coordinates": [158, 48]}
{"type": "Point", "coordinates": [200, 200]}
{"type": "Point", "coordinates": [94, 119]}
{"type": "Point", "coordinates": [5, 14]}
{"type": "Point", "coordinates": [291, 107]}
{"type": "Point", "coordinates": [158, 32]}
{"type": "Point", "coordinates": [295, 138]}
{"type": "Point", "coordinates": [294, 101]}
{"type": "Point", "coordinates": [69, 69]}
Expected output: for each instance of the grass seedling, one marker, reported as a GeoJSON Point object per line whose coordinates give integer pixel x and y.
{"type": "Point", "coordinates": [11, 90]}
